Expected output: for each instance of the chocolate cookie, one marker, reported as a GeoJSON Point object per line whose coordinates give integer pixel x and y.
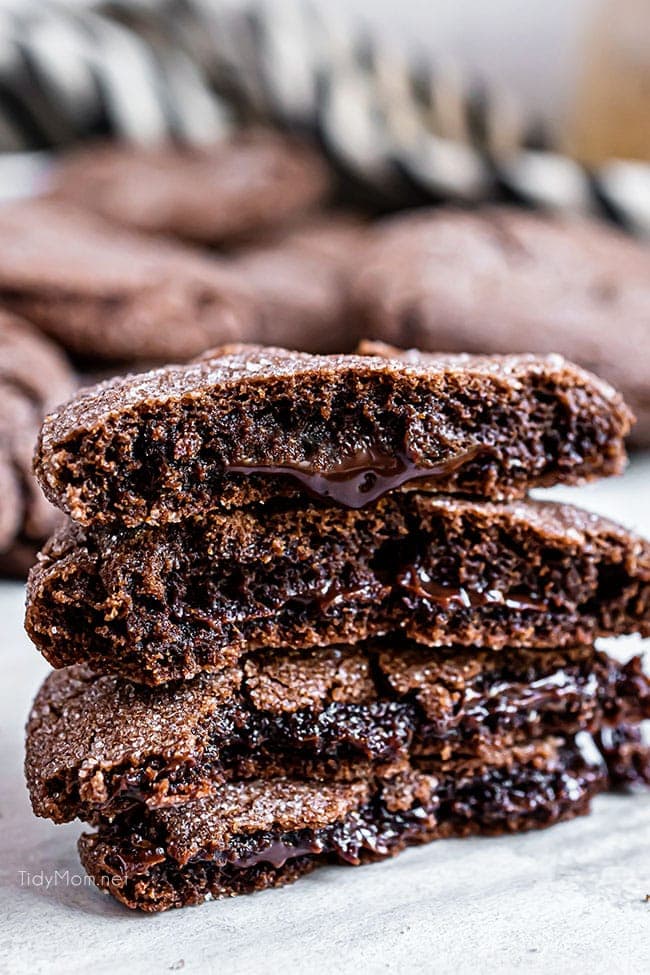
{"type": "Point", "coordinates": [301, 286]}
{"type": "Point", "coordinates": [252, 423]}
{"type": "Point", "coordinates": [164, 603]}
{"type": "Point", "coordinates": [34, 377]}
{"type": "Point", "coordinates": [107, 294]}
{"type": "Point", "coordinates": [98, 746]}
{"type": "Point", "coordinates": [259, 834]}
{"type": "Point", "coordinates": [504, 280]}
{"type": "Point", "coordinates": [212, 195]}
{"type": "Point", "coordinates": [626, 753]}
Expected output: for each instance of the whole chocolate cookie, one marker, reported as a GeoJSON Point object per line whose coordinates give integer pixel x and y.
{"type": "Point", "coordinates": [34, 377]}
{"type": "Point", "coordinates": [502, 280]}
{"type": "Point", "coordinates": [301, 285]}
{"type": "Point", "coordinates": [247, 423]}
{"type": "Point", "coordinates": [161, 603]}
{"type": "Point", "coordinates": [107, 294]}
{"type": "Point", "coordinates": [98, 746]}
{"type": "Point", "coordinates": [242, 187]}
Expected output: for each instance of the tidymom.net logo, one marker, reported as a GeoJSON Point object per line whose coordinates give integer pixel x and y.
{"type": "Point", "coordinates": [64, 878]}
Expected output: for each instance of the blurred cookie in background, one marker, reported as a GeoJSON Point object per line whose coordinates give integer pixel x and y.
{"type": "Point", "coordinates": [34, 378]}
{"type": "Point", "coordinates": [501, 280]}
{"type": "Point", "coordinates": [110, 295]}
{"type": "Point", "coordinates": [301, 285]}
{"type": "Point", "coordinates": [216, 195]}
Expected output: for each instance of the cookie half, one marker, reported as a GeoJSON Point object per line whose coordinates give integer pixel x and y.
{"type": "Point", "coordinates": [99, 746]}
{"type": "Point", "coordinates": [254, 423]}
{"type": "Point", "coordinates": [261, 834]}
{"type": "Point", "coordinates": [164, 602]}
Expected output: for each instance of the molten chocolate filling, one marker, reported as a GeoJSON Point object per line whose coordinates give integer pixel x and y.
{"type": "Point", "coordinates": [363, 477]}
{"type": "Point", "coordinates": [417, 580]}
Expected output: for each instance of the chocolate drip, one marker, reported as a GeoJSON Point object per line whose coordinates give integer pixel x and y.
{"type": "Point", "coordinates": [277, 853]}
{"type": "Point", "coordinates": [363, 477]}
{"type": "Point", "coordinates": [371, 831]}
{"type": "Point", "coordinates": [417, 580]}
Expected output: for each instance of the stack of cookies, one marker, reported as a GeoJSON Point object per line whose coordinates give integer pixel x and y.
{"type": "Point", "coordinates": [303, 612]}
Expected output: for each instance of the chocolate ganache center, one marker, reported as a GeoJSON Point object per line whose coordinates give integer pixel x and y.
{"type": "Point", "coordinates": [372, 830]}
{"type": "Point", "coordinates": [364, 476]}
{"type": "Point", "coordinates": [277, 853]}
{"type": "Point", "coordinates": [417, 580]}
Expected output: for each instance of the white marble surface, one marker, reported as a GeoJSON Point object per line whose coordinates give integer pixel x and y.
{"type": "Point", "coordinates": [571, 899]}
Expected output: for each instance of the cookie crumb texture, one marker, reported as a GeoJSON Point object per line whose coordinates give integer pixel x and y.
{"type": "Point", "coordinates": [164, 603]}
{"type": "Point", "coordinates": [247, 423]}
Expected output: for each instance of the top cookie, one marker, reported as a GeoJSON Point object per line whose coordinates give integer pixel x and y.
{"type": "Point", "coordinates": [212, 195]}
{"type": "Point", "coordinates": [502, 281]}
{"type": "Point", "coordinates": [248, 423]}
